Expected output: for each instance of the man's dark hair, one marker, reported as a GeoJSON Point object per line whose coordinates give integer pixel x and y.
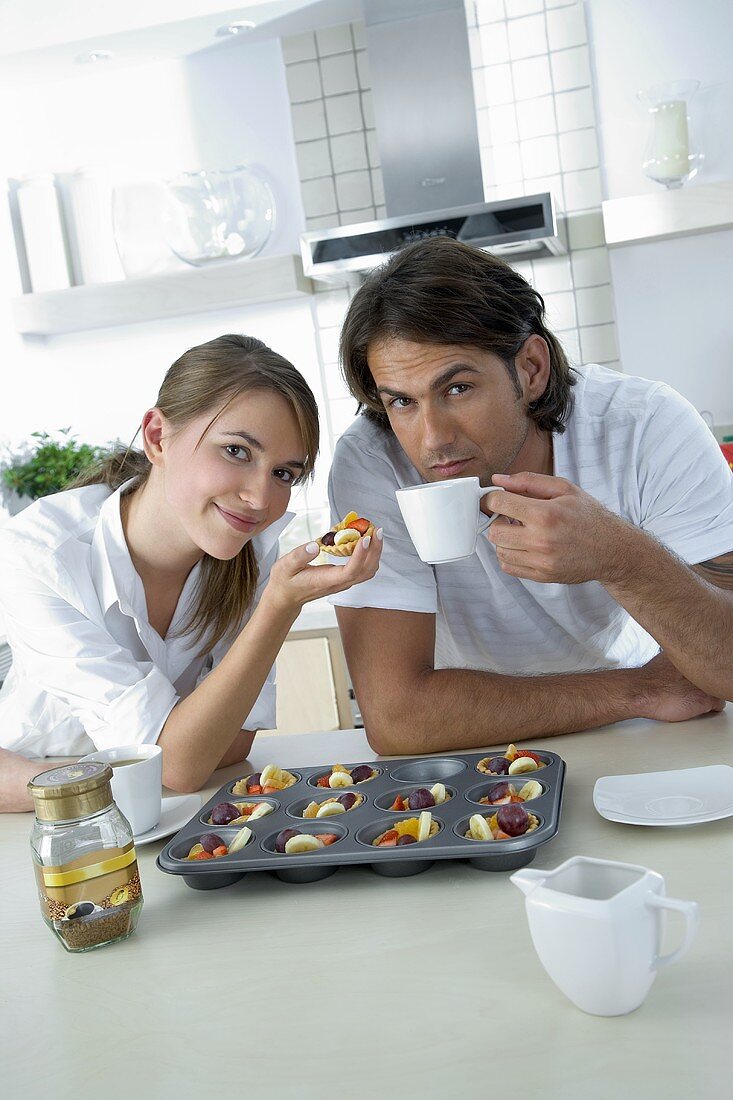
{"type": "Point", "coordinates": [440, 291]}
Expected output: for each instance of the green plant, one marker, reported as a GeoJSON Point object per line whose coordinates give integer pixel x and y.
{"type": "Point", "coordinates": [50, 465]}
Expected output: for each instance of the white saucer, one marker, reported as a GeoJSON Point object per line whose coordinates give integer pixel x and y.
{"type": "Point", "coordinates": [689, 796]}
{"type": "Point", "coordinates": [175, 812]}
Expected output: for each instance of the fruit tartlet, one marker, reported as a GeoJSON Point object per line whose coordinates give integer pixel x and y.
{"type": "Point", "coordinates": [507, 823]}
{"type": "Point", "coordinates": [291, 842]}
{"type": "Point", "coordinates": [330, 807]}
{"type": "Point", "coordinates": [513, 762]}
{"type": "Point", "coordinates": [338, 544]}
{"type": "Point", "coordinates": [238, 813]}
{"type": "Point", "coordinates": [339, 776]}
{"type": "Point", "coordinates": [412, 830]}
{"type": "Point", "coordinates": [269, 781]}
{"type": "Point", "coordinates": [211, 845]}
{"type": "Point", "coordinates": [501, 794]}
{"type": "Point", "coordinates": [422, 798]}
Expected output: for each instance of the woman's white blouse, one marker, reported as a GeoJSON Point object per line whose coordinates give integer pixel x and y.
{"type": "Point", "coordinates": [89, 671]}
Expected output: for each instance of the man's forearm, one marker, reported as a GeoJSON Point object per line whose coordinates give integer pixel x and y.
{"type": "Point", "coordinates": [463, 709]}
{"type": "Point", "coordinates": [689, 618]}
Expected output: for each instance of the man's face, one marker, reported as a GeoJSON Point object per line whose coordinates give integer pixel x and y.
{"type": "Point", "coordinates": [455, 410]}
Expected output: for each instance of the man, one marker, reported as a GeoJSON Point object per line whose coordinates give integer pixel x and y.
{"type": "Point", "coordinates": [615, 531]}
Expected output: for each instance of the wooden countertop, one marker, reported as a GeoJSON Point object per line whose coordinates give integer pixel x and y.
{"type": "Point", "coordinates": [363, 986]}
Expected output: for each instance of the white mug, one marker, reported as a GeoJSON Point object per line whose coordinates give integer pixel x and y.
{"type": "Point", "coordinates": [597, 927]}
{"type": "Point", "coordinates": [443, 518]}
{"type": "Point", "coordinates": [137, 782]}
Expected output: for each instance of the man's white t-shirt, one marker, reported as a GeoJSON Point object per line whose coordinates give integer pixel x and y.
{"type": "Point", "coordinates": [89, 671]}
{"type": "Point", "coordinates": [635, 445]}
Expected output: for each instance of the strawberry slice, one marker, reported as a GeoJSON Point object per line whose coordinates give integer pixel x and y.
{"type": "Point", "coordinates": [399, 803]}
{"type": "Point", "coordinates": [360, 525]}
{"type": "Point", "coordinates": [323, 781]}
{"type": "Point", "coordinates": [327, 838]}
{"type": "Point", "coordinates": [389, 840]}
{"type": "Point", "coordinates": [532, 755]}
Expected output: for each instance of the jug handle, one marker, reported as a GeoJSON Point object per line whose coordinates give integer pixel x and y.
{"type": "Point", "coordinates": [690, 911]}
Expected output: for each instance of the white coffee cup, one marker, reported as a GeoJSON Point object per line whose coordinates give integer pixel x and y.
{"type": "Point", "coordinates": [597, 927]}
{"type": "Point", "coordinates": [444, 518]}
{"type": "Point", "coordinates": [137, 782]}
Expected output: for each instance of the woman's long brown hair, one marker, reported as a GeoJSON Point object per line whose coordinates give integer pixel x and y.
{"type": "Point", "coordinates": [206, 379]}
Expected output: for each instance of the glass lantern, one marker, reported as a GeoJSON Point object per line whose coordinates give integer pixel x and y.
{"type": "Point", "coordinates": [669, 158]}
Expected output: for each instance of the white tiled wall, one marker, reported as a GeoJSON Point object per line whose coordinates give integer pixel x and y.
{"type": "Point", "coordinates": [537, 132]}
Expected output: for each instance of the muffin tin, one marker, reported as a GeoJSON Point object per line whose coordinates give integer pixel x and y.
{"type": "Point", "coordinates": [358, 827]}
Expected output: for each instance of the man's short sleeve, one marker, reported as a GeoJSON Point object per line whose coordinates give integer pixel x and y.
{"type": "Point", "coordinates": [363, 481]}
{"type": "Point", "coordinates": [685, 484]}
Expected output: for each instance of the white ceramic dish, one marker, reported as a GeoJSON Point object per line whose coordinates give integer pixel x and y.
{"type": "Point", "coordinates": [689, 796]}
{"type": "Point", "coordinates": [175, 812]}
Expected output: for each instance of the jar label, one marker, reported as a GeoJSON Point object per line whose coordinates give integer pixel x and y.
{"type": "Point", "coordinates": [92, 898]}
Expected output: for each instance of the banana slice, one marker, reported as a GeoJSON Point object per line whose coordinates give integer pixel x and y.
{"type": "Point", "coordinates": [269, 772]}
{"type": "Point", "coordinates": [479, 828]}
{"type": "Point", "coordinates": [303, 843]}
{"type": "Point", "coordinates": [349, 535]}
{"type": "Point", "coordinates": [522, 764]}
{"type": "Point", "coordinates": [262, 809]}
{"type": "Point", "coordinates": [340, 779]}
{"type": "Point", "coordinates": [533, 789]}
{"type": "Point", "coordinates": [439, 793]}
{"type": "Point", "coordinates": [423, 828]}
{"type": "Point", "coordinates": [242, 837]}
{"type": "Point", "coordinates": [328, 809]}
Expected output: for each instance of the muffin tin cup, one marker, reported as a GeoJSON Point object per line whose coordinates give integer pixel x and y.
{"type": "Point", "coordinates": [317, 773]}
{"type": "Point", "coordinates": [358, 827]}
{"type": "Point", "coordinates": [271, 801]}
{"type": "Point", "coordinates": [384, 801]}
{"type": "Point", "coordinates": [296, 809]}
{"type": "Point", "coordinates": [482, 789]}
{"type": "Point", "coordinates": [497, 855]}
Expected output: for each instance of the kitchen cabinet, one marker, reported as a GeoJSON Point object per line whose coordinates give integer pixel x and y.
{"type": "Point", "coordinates": [313, 684]}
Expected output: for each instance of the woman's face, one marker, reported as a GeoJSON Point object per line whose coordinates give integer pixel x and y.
{"type": "Point", "coordinates": [227, 483]}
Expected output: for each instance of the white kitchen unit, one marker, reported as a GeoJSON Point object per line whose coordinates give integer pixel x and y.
{"type": "Point", "coordinates": [670, 246]}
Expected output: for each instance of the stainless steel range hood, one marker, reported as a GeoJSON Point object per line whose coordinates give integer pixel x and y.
{"type": "Point", "coordinates": [422, 89]}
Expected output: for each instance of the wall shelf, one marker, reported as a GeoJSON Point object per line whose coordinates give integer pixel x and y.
{"type": "Point", "coordinates": [180, 293]}
{"type": "Point", "coordinates": [665, 214]}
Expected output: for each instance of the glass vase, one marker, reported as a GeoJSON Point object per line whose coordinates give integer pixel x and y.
{"type": "Point", "coordinates": [219, 215]}
{"type": "Point", "coordinates": [669, 157]}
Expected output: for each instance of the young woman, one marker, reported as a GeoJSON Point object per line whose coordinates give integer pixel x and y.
{"type": "Point", "coordinates": [147, 603]}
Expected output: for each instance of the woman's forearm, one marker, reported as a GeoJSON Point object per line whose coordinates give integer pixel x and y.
{"type": "Point", "coordinates": [201, 728]}
{"type": "Point", "coordinates": [15, 773]}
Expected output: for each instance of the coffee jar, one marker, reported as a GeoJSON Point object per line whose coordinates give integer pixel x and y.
{"type": "Point", "coordinates": [84, 857]}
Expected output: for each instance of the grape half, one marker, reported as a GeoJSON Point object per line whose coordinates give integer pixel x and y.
{"type": "Point", "coordinates": [420, 799]}
{"type": "Point", "coordinates": [224, 813]}
{"type": "Point", "coordinates": [513, 819]}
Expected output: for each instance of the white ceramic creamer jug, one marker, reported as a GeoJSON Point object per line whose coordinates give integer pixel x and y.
{"type": "Point", "coordinates": [597, 927]}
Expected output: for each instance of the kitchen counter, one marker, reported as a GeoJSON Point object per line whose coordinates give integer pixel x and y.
{"type": "Point", "coordinates": [363, 986]}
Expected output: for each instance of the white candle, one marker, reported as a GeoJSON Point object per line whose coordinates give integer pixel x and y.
{"type": "Point", "coordinates": [671, 145]}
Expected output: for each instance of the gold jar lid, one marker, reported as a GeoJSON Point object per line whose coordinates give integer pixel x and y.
{"type": "Point", "coordinates": [71, 791]}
